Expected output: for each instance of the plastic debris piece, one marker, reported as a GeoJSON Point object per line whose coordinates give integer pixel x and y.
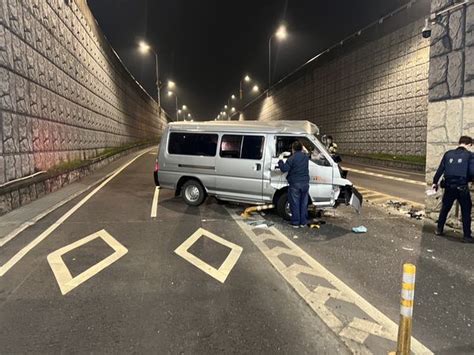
{"type": "Point", "coordinates": [360, 229]}
{"type": "Point", "coordinates": [314, 225]}
{"type": "Point", "coordinates": [295, 237]}
{"type": "Point", "coordinates": [408, 249]}
{"type": "Point", "coordinates": [264, 225]}
{"type": "Point", "coordinates": [429, 250]}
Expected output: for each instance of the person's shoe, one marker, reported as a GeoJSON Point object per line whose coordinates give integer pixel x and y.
{"type": "Point", "coordinates": [295, 226]}
{"type": "Point", "coordinates": [303, 225]}
{"type": "Point", "coordinates": [439, 232]}
{"type": "Point", "coordinates": [468, 240]}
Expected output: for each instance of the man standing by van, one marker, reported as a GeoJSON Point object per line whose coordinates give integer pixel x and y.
{"type": "Point", "coordinates": [457, 166]}
{"type": "Point", "coordinates": [297, 167]}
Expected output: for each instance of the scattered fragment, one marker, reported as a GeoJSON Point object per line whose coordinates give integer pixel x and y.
{"type": "Point", "coordinates": [429, 250]}
{"type": "Point", "coordinates": [203, 220]}
{"type": "Point", "coordinates": [407, 249]}
{"type": "Point", "coordinates": [360, 229]}
{"type": "Point", "coordinates": [317, 226]}
{"type": "Point", "coordinates": [263, 225]}
{"type": "Point", "coordinates": [416, 214]}
{"type": "Point", "coordinates": [435, 293]}
{"type": "Point", "coordinates": [295, 237]}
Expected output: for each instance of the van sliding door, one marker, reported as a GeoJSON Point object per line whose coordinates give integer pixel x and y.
{"type": "Point", "coordinates": [239, 167]}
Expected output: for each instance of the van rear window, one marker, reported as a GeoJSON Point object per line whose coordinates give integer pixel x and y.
{"type": "Point", "coordinates": [200, 144]}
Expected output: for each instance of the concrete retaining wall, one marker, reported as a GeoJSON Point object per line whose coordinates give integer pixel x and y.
{"type": "Point", "coordinates": [64, 94]}
{"type": "Point", "coordinates": [451, 93]}
{"type": "Point", "coordinates": [373, 99]}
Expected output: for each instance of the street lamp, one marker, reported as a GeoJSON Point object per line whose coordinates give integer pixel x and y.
{"type": "Point", "coordinates": [145, 48]}
{"type": "Point", "coordinates": [281, 34]}
{"type": "Point", "coordinates": [255, 88]}
{"type": "Point", "coordinates": [185, 107]}
{"type": "Point", "coordinates": [171, 85]}
{"type": "Point", "coordinates": [247, 80]}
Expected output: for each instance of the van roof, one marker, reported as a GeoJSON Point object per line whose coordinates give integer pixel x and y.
{"type": "Point", "coordinates": [289, 127]}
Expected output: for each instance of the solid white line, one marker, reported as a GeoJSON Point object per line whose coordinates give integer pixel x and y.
{"type": "Point", "coordinates": [154, 206]}
{"type": "Point", "coordinates": [388, 177]}
{"type": "Point", "coordinates": [37, 218]}
{"type": "Point", "coordinates": [19, 255]}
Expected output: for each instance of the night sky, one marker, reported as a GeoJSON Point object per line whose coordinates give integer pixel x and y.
{"type": "Point", "coordinates": [207, 46]}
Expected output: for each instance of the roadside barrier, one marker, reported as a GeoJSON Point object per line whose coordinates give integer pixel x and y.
{"type": "Point", "coordinates": [406, 310]}
{"type": "Point", "coordinates": [249, 210]}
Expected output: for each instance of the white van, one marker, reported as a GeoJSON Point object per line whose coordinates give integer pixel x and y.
{"type": "Point", "coordinates": [238, 161]}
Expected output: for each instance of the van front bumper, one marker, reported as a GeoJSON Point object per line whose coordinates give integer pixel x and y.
{"type": "Point", "coordinates": [350, 196]}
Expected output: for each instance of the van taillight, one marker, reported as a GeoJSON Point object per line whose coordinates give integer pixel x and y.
{"type": "Point", "coordinates": [157, 166]}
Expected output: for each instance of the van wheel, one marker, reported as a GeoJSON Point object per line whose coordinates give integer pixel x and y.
{"type": "Point", "coordinates": [193, 193]}
{"type": "Point", "coordinates": [283, 207]}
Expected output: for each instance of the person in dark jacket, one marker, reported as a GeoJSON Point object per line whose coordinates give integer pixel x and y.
{"type": "Point", "coordinates": [297, 167]}
{"type": "Point", "coordinates": [457, 166]}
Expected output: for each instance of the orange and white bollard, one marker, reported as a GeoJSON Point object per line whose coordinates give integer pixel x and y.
{"type": "Point", "coordinates": [406, 309]}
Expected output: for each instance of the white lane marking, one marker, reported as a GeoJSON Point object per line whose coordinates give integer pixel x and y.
{"type": "Point", "coordinates": [37, 218]}
{"type": "Point", "coordinates": [20, 254]}
{"type": "Point", "coordinates": [388, 177]}
{"type": "Point", "coordinates": [154, 206]}
{"type": "Point", "coordinates": [226, 267]}
{"type": "Point", "coordinates": [64, 278]}
{"type": "Point", "coordinates": [352, 330]}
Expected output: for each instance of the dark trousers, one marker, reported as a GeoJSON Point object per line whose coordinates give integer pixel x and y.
{"type": "Point", "coordinates": [298, 199]}
{"type": "Point", "coordinates": [463, 196]}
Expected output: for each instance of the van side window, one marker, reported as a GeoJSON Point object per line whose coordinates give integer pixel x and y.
{"type": "Point", "coordinates": [253, 147]}
{"type": "Point", "coordinates": [283, 144]}
{"type": "Point", "coordinates": [200, 144]}
{"type": "Point", "coordinates": [243, 147]}
{"type": "Point", "coordinates": [231, 146]}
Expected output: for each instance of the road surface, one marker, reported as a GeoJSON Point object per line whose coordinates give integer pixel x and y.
{"type": "Point", "coordinates": [102, 274]}
{"type": "Point", "coordinates": [401, 184]}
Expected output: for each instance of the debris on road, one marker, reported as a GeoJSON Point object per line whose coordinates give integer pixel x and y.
{"type": "Point", "coordinates": [417, 214]}
{"type": "Point", "coordinates": [407, 249]}
{"type": "Point", "coordinates": [260, 223]}
{"type": "Point", "coordinates": [360, 229]}
{"type": "Point", "coordinates": [295, 237]}
{"type": "Point", "coordinates": [396, 204]}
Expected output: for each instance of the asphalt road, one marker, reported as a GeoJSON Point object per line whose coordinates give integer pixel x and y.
{"type": "Point", "coordinates": [401, 184]}
{"type": "Point", "coordinates": [239, 289]}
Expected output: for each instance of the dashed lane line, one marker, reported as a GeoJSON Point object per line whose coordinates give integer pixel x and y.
{"type": "Point", "coordinates": [388, 177]}
{"type": "Point", "coordinates": [154, 206]}
{"type": "Point", "coordinates": [20, 254]}
{"type": "Point", "coordinates": [356, 325]}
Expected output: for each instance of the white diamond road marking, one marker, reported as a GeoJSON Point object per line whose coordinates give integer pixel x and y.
{"type": "Point", "coordinates": [353, 333]}
{"type": "Point", "coordinates": [64, 278]}
{"type": "Point", "coordinates": [224, 270]}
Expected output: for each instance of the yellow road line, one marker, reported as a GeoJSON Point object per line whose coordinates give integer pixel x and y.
{"type": "Point", "coordinates": [388, 177]}
{"type": "Point", "coordinates": [370, 195]}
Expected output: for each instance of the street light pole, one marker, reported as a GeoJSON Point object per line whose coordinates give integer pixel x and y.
{"type": "Point", "coordinates": [157, 81]}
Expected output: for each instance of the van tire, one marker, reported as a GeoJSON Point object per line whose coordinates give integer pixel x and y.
{"type": "Point", "coordinates": [193, 193]}
{"type": "Point", "coordinates": [281, 206]}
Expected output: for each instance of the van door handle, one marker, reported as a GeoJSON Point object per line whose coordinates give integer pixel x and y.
{"type": "Point", "coordinates": [258, 167]}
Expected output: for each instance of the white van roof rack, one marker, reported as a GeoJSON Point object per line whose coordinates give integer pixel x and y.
{"type": "Point", "coordinates": [289, 127]}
